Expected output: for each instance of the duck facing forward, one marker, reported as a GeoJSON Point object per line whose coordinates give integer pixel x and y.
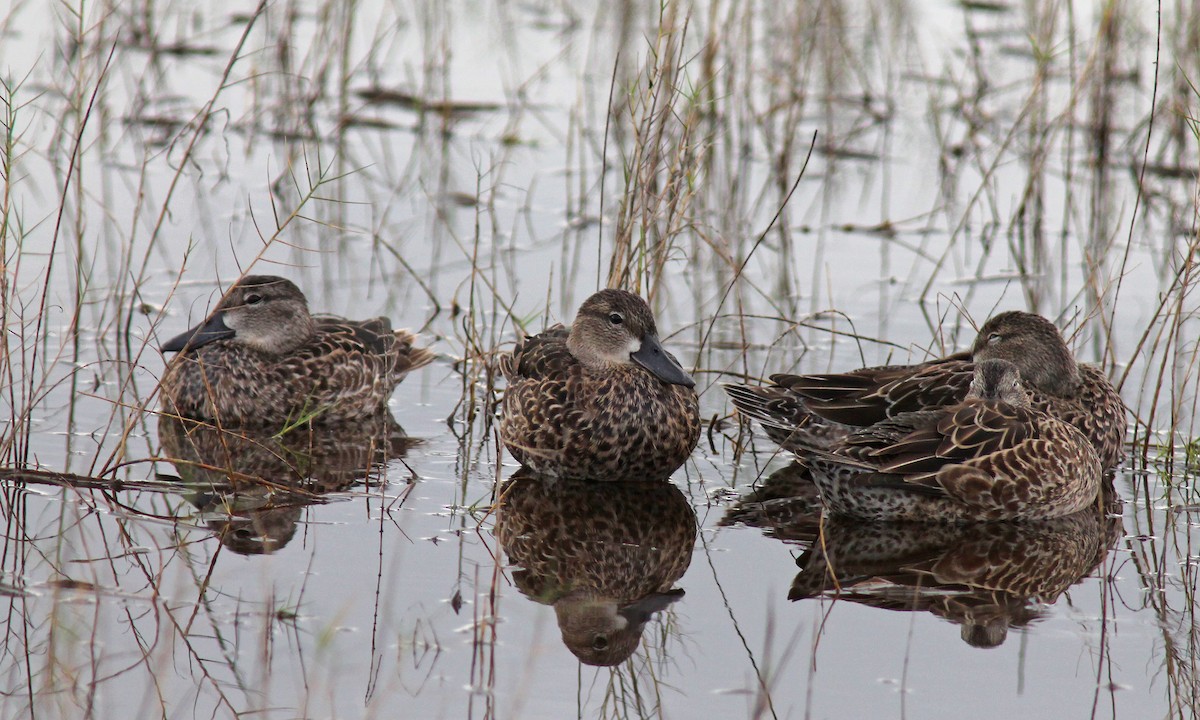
{"type": "Point", "coordinates": [601, 399]}
{"type": "Point", "coordinates": [822, 409]}
{"type": "Point", "coordinates": [994, 456]}
{"type": "Point", "coordinates": [261, 359]}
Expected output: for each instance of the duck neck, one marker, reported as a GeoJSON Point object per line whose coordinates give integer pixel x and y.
{"type": "Point", "coordinates": [584, 353]}
{"type": "Point", "coordinates": [1060, 377]}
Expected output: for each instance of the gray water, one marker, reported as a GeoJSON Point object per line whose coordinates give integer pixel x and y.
{"type": "Point", "coordinates": [966, 159]}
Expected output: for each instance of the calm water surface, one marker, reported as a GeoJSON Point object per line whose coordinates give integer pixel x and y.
{"type": "Point", "coordinates": [976, 158]}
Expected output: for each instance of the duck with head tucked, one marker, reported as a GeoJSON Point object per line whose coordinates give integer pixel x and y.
{"type": "Point", "coordinates": [822, 409]}
{"type": "Point", "coordinates": [994, 456]}
{"type": "Point", "coordinates": [601, 399]}
{"type": "Point", "coordinates": [261, 359]}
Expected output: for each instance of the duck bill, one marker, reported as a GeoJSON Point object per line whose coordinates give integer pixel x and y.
{"type": "Point", "coordinates": [666, 368]}
{"type": "Point", "coordinates": [211, 330]}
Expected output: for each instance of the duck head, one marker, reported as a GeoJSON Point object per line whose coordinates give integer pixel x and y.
{"type": "Point", "coordinates": [998, 381]}
{"type": "Point", "coordinates": [1035, 346]}
{"type": "Point", "coordinates": [263, 312]}
{"type": "Point", "coordinates": [616, 327]}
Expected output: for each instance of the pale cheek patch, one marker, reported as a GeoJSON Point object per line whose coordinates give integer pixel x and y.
{"type": "Point", "coordinates": [261, 343]}
{"type": "Point", "coordinates": [621, 356]}
{"type": "Point", "coordinates": [232, 321]}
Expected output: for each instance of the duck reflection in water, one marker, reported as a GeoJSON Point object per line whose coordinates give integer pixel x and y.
{"type": "Point", "coordinates": [786, 505]}
{"type": "Point", "coordinates": [986, 577]}
{"type": "Point", "coordinates": [604, 555]}
{"type": "Point", "coordinates": [251, 487]}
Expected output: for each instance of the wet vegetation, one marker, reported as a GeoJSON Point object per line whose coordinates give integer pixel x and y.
{"type": "Point", "coordinates": [795, 187]}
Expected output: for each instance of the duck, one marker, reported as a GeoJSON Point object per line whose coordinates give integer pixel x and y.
{"type": "Point", "coordinates": [601, 398]}
{"type": "Point", "coordinates": [992, 457]}
{"type": "Point", "coordinates": [824, 409]}
{"type": "Point", "coordinates": [261, 359]}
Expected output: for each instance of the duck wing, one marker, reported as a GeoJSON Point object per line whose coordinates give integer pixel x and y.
{"type": "Point", "coordinates": [540, 357]}
{"type": "Point", "coordinates": [870, 395]}
{"type": "Point", "coordinates": [373, 338]}
{"type": "Point", "coordinates": [971, 430]}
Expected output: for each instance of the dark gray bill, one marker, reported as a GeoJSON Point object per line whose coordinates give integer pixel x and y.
{"type": "Point", "coordinates": [214, 329]}
{"type": "Point", "coordinates": [658, 361]}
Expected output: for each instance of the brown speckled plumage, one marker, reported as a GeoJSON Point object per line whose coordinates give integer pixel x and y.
{"type": "Point", "coordinates": [821, 409]}
{"type": "Point", "coordinates": [600, 400]}
{"type": "Point", "coordinates": [991, 457]}
{"type": "Point", "coordinates": [604, 555]}
{"type": "Point", "coordinates": [261, 360]}
{"type": "Point", "coordinates": [986, 577]}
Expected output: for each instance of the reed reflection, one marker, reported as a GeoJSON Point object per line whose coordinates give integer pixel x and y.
{"type": "Point", "coordinates": [605, 555]}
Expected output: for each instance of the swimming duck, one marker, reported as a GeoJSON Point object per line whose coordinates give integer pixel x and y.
{"type": "Point", "coordinates": [600, 399]}
{"type": "Point", "coordinates": [262, 359]}
{"type": "Point", "coordinates": [993, 456]}
{"type": "Point", "coordinates": [822, 409]}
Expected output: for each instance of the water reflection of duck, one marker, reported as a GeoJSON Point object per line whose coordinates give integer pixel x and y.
{"type": "Point", "coordinates": [252, 487]}
{"type": "Point", "coordinates": [786, 505]}
{"type": "Point", "coordinates": [601, 399]}
{"type": "Point", "coordinates": [605, 555]}
{"type": "Point", "coordinates": [992, 456]}
{"type": "Point", "coordinates": [986, 577]}
{"type": "Point", "coordinates": [822, 409]}
{"type": "Point", "coordinates": [262, 359]}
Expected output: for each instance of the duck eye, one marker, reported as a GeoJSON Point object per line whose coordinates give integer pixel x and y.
{"type": "Point", "coordinates": [253, 299]}
{"type": "Point", "coordinates": [615, 318]}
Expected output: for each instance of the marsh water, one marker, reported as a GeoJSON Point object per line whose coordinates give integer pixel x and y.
{"type": "Point", "coordinates": [796, 187]}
